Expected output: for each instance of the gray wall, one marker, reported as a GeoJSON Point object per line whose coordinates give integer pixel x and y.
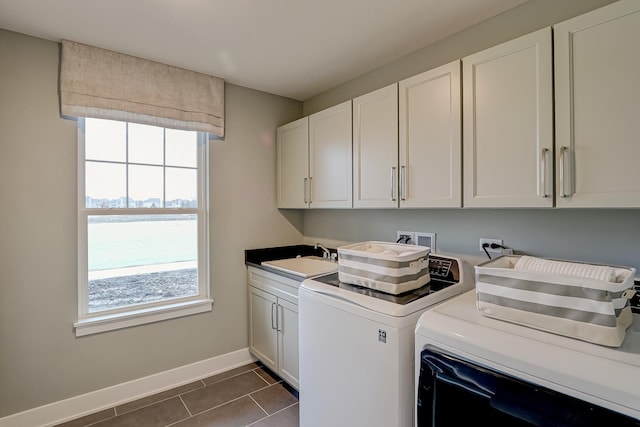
{"type": "Point", "coordinates": [594, 235]}
{"type": "Point", "coordinates": [41, 360]}
{"type": "Point", "coordinates": [602, 236]}
{"type": "Point", "coordinates": [532, 15]}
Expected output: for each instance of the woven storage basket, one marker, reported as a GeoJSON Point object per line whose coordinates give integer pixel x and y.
{"type": "Point", "coordinates": [393, 268]}
{"type": "Point", "coordinates": [585, 301]}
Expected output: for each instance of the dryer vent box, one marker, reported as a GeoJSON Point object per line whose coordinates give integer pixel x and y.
{"type": "Point", "coordinates": [426, 239]}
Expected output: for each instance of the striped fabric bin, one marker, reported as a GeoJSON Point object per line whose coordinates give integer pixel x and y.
{"type": "Point", "coordinates": [393, 268]}
{"type": "Point", "coordinates": [584, 301]}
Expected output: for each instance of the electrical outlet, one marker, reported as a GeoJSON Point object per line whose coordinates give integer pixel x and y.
{"type": "Point", "coordinates": [497, 251]}
{"type": "Point", "coordinates": [407, 237]}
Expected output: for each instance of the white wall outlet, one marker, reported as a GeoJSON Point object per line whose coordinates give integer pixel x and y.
{"type": "Point", "coordinates": [426, 239]}
{"type": "Point", "coordinates": [491, 251]}
{"type": "Point", "coordinates": [407, 237]}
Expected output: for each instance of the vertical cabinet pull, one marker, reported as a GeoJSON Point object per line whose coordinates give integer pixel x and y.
{"type": "Point", "coordinates": [273, 316]}
{"type": "Point", "coordinates": [276, 323]}
{"type": "Point", "coordinates": [543, 172]}
{"type": "Point", "coordinates": [310, 188]}
{"type": "Point", "coordinates": [394, 183]}
{"type": "Point", "coordinates": [562, 173]}
{"type": "Point", "coordinates": [403, 183]}
{"type": "Point", "coordinates": [305, 190]}
{"type": "Point", "coordinates": [279, 317]}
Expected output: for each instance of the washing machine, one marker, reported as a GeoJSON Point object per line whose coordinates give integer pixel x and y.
{"type": "Point", "coordinates": [357, 346]}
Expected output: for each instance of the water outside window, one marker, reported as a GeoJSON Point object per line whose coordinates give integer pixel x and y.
{"type": "Point", "coordinates": [141, 259]}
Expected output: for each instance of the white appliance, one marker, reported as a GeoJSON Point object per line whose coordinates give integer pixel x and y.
{"type": "Point", "coordinates": [590, 375]}
{"type": "Point", "coordinates": [357, 347]}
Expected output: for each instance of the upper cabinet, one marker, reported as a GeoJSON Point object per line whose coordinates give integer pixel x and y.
{"type": "Point", "coordinates": [375, 149]}
{"type": "Point", "coordinates": [406, 146]}
{"type": "Point", "coordinates": [292, 154]}
{"type": "Point", "coordinates": [430, 146]}
{"type": "Point", "coordinates": [597, 69]}
{"type": "Point", "coordinates": [314, 160]}
{"type": "Point", "coordinates": [330, 157]}
{"type": "Point", "coordinates": [508, 124]}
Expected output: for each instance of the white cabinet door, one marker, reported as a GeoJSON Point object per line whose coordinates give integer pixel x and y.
{"type": "Point", "coordinates": [288, 366]}
{"type": "Point", "coordinates": [597, 66]}
{"type": "Point", "coordinates": [273, 322]}
{"type": "Point", "coordinates": [292, 151]}
{"type": "Point", "coordinates": [263, 333]}
{"type": "Point", "coordinates": [430, 145]}
{"type": "Point", "coordinates": [375, 149]}
{"type": "Point", "coordinates": [330, 151]}
{"type": "Point", "coordinates": [508, 124]}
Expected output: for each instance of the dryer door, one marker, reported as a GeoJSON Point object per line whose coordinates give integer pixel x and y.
{"type": "Point", "coordinates": [454, 392]}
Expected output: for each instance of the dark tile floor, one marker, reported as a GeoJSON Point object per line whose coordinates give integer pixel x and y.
{"type": "Point", "coordinates": [249, 395]}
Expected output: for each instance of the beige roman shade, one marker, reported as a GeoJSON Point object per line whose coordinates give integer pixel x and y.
{"type": "Point", "coordinates": [103, 84]}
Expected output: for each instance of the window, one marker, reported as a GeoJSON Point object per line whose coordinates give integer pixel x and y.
{"type": "Point", "coordinates": [142, 224]}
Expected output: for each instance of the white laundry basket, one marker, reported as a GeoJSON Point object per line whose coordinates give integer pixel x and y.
{"type": "Point", "coordinates": [393, 268]}
{"type": "Point", "coordinates": [584, 301]}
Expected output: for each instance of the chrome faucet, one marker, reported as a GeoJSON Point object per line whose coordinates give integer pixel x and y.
{"type": "Point", "coordinates": [326, 254]}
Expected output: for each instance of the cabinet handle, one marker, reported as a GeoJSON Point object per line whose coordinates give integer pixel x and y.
{"type": "Point", "coordinates": [305, 190]}
{"type": "Point", "coordinates": [310, 188]}
{"type": "Point", "coordinates": [543, 172]}
{"type": "Point", "coordinates": [562, 174]}
{"type": "Point", "coordinates": [273, 320]}
{"type": "Point", "coordinates": [394, 183]}
{"type": "Point", "coordinates": [278, 317]}
{"type": "Point", "coordinates": [403, 183]}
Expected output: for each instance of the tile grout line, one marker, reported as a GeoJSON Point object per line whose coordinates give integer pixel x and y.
{"type": "Point", "coordinates": [259, 406]}
{"type": "Point", "coordinates": [207, 410]}
{"type": "Point", "coordinates": [260, 376]}
{"type": "Point", "coordinates": [228, 378]}
{"type": "Point", "coordinates": [147, 405]}
{"type": "Point", "coordinates": [184, 419]}
{"type": "Point", "coordinates": [185, 406]}
{"type": "Point", "coordinates": [201, 380]}
{"type": "Point", "coordinates": [100, 421]}
{"type": "Point", "coordinates": [204, 385]}
{"type": "Point", "coordinates": [115, 408]}
{"type": "Point", "coordinates": [277, 412]}
{"type": "Point", "coordinates": [232, 400]}
{"type": "Point", "coordinates": [179, 395]}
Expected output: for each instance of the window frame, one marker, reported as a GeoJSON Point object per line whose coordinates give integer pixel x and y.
{"type": "Point", "coordinates": [143, 313]}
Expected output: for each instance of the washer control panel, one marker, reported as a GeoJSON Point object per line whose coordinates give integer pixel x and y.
{"type": "Point", "coordinates": [445, 269]}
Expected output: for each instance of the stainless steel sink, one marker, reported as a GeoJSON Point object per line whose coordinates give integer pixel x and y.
{"type": "Point", "coordinates": [307, 266]}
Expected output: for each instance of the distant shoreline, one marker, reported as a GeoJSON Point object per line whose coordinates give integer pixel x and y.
{"type": "Point", "coordinates": [142, 269]}
{"type": "Point", "coordinates": [114, 219]}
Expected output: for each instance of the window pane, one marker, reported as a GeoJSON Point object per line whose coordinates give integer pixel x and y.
{"type": "Point", "coordinates": [136, 259]}
{"type": "Point", "coordinates": [105, 185]}
{"type": "Point", "coordinates": [182, 188]}
{"type": "Point", "coordinates": [145, 186]}
{"type": "Point", "coordinates": [145, 144]}
{"type": "Point", "coordinates": [105, 140]}
{"type": "Point", "coordinates": [182, 148]}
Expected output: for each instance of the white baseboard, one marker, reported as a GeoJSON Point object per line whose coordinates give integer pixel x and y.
{"type": "Point", "coordinates": [85, 404]}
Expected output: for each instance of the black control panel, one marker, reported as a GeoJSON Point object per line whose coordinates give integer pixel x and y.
{"type": "Point", "coordinates": [635, 301]}
{"type": "Point", "coordinates": [445, 269]}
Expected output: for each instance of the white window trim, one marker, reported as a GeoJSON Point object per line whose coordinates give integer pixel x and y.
{"type": "Point", "coordinates": [91, 323]}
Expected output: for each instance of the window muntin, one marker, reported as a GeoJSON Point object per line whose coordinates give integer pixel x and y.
{"type": "Point", "coordinates": [143, 223]}
{"type": "Point", "coordinates": [158, 167]}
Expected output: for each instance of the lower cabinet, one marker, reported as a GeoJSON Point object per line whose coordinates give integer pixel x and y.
{"type": "Point", "coordinates": [273, 322]}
